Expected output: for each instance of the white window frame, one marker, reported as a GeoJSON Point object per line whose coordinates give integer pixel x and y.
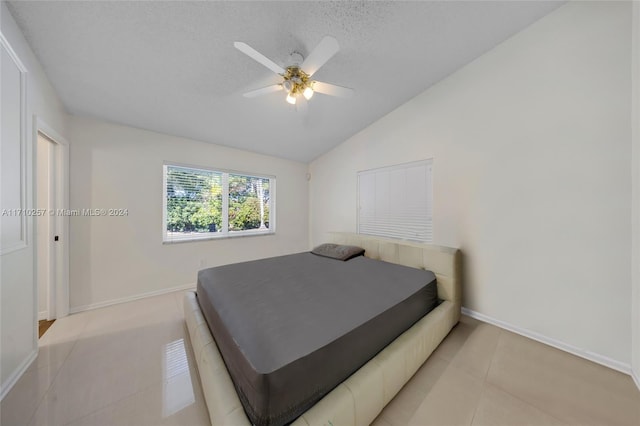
{"type": "Point", "coordinates": [224, 233]}
{"type": "Point", "coordinates": [390, 223]}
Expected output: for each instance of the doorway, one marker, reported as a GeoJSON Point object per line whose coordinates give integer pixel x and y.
{"type": "Point", "coordinates": [45, 225]}
{"type": "Point", "coordinates": [52, 225]}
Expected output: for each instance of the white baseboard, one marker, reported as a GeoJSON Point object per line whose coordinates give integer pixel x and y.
{"type": "Point", "coordinates": [636, 378]}
{"type": "Point", "coordinates": [43, 315]}
{"type": "Point", "coordinates": [15, 376]}
{"type": "Point", "coordinates": [91, 306]}
{"type": "Point", "coordinates": [582, 353]}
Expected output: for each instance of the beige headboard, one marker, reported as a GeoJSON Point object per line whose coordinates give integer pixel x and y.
{"type": "Point", "coordinates": [445, 262]}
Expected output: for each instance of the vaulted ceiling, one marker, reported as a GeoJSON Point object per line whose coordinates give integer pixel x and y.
{"type": "Point", "coordinates": [171, 67]}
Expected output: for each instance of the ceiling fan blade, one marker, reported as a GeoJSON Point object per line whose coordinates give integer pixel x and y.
{"type": "Point", "coordinates": [332, 89]}
{"type": "Point", "coordinates": [263, 91]}
{"type": "Point", "coordinates": [327, 47]}
{"type": "Point", "coordinates": [259, 57]}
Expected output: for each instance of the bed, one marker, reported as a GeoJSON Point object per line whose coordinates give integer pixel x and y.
{"type": "Point", "coordinates": [359, 398]}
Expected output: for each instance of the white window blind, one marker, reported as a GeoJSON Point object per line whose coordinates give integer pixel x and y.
{"type": "Point", "coordinates": [397, 201]}
{"type": "Point", "coordinates": [203, 203]}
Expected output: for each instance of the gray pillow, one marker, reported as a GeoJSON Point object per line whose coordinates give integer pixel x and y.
{"type": "Point", "coordinates": [337, 251]}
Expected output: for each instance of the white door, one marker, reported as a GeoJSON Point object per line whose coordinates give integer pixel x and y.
{"type": "Point", "coordinates": [45, 225]}
{"type": "Point", "coordinates": [52, 199]}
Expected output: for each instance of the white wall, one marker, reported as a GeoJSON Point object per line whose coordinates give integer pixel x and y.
{"type": "Point", "coordinates": [114, 258]}
{"type": "Point", "coordinates": [18, 341]}
{"type": "Point", "coordinates": [532, 179]}
{"type": "Point", "coordinates": [635, 166]}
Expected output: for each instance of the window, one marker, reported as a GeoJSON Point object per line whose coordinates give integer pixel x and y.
{"type": "Point", "coordinates": [397, 201]}
{"type": "Point", "coordinates": [203, 203]}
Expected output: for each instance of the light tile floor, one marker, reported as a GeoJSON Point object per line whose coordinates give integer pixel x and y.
{"type": "Point", "coordinates": [485, 376]}
{"type": "Point", "coordinates": [127, 364]}
{"type": "Point", "coordinates": [131, 364]}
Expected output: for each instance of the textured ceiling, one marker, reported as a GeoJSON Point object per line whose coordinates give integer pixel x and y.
{"type": "Point", "coordinates": [171, 67]}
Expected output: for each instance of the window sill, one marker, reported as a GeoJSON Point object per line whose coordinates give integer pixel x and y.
{"type": "Point", "coordinates": [231, 235]}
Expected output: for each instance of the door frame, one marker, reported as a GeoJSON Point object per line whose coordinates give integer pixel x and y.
{"type": "Point", "coordinates": [58, 291]}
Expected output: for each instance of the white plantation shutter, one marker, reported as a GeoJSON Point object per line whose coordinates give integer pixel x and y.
{"type": "Point", "coordinates": [397, 201]}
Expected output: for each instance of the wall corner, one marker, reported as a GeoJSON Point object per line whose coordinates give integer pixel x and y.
{"type": "Point", "coordinates": [635, 196]}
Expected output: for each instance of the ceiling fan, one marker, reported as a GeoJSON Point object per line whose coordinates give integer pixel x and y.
{"type": "Point", "coordinates": [296, 78]}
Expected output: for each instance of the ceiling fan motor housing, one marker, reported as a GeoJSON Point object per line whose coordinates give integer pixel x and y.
{"type": "Point", "coordinates": [296, 59]}
{"type": "Point", "coordinates": [296, 80]}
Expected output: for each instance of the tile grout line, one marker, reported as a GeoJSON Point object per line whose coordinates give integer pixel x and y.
{"type": "Point", "coordinates": [57, 373]}
{"type": "Point", "coordinates": [475, 410]}
{"type": "Point", "coordinates": [110, 404]}
{"type": "Point", "coordinates": [466, 373]}
{"type": "Point", "coordinates": [411, 415]}
{"type": "Point", "coordinates": [192, 369]}
{"type": "Point", "coordinates": [493, 356]}
{"type": "Point", "coordinates": [526, 402]}
{"type": "Point", "coordinates": [144, 389]}
{"type": "Point", "coordinates": [486, 375]}
{"type": "Point", "coordinates": [487, 383]}
{"type": "Point", "coordinates": [73, 333]}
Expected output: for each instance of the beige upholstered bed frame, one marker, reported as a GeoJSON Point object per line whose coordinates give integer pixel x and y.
{"type": "Point", "coordinates": [361, 397]}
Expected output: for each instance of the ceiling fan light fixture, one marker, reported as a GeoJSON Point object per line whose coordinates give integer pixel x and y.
{"type": "Point", "coordinates": [307, 93]}
{"type": "Point", "coordinates": [287, 85]}
{"type": "Point", "coordinates": [291, 99]}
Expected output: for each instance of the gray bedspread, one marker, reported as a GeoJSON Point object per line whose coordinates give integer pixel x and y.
{"type": "Point", "coordinates": [291, 328]}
